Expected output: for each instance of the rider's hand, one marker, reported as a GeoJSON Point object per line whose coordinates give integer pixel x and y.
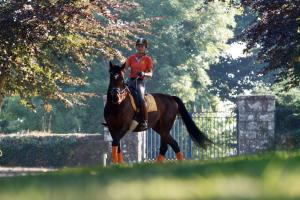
{"type": "Point", "coordinates": [141, 74]}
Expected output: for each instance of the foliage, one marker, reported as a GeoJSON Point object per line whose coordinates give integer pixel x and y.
{"type": "Point", "coordinates": [14, 117]}
{"type": "Point", "coordinates": [231, 77]}
{"type": "Point", "coordinates": [265, 176]}
{"type": "Point", "coordinates": [238, 73]}
{"type": "Point", "coordinates": [47, 45]}
{"type": "Point", "coordinates": [17, 118]}
{"type": "Point", "coordinates": [276, 35]}
{"type": "Point", "coordinates": [189, 36]}
{"type": "Point", "coordinates": [287, 118]}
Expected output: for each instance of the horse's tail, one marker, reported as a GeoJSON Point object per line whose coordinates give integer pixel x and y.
{"type": "Point", "coordinates": [197, 136]}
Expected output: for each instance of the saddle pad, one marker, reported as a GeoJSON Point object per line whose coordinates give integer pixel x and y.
{"type": "Point", "coordinates": [150, 101]}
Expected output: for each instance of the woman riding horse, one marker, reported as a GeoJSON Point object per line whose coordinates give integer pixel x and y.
{"type": "Point", "coordinates": [140, 66]}
{"type": "Point", "coordinates": [119, 115]}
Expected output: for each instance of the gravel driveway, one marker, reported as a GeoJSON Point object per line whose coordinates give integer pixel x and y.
{"type": "Point", "coordinates": [22, 171]}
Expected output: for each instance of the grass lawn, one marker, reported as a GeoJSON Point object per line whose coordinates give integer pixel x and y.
{"type": "Point", "coordinates": [265, 176]}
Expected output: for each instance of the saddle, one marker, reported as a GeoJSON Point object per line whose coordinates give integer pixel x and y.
{"type": "Point", "coordinates": [150, 106]}
{"type": "Point", "coordinates": [150, 102]}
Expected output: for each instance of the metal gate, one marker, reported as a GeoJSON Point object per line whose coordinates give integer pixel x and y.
{"type": "Point", "coordinates": [220, 128]}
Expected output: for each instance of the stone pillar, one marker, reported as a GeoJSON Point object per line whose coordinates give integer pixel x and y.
{"type": "Point", "coordinates": [255, 123]}
{"type": "Point", "coordinates": [133, 147]}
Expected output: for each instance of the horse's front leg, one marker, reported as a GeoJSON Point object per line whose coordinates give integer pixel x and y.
{"type": "Point", "coordinates": [120, 155]}
{"type": "Point", "coordinates": [117, 156]}
{"type": "Point", "coordinates": [115, 151]}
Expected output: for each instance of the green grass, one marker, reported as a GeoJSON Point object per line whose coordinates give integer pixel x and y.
{"type": "Point", "coordinates": [266, 176]}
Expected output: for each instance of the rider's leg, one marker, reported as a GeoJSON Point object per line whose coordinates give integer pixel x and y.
{"type": "Point", "coordinates": [144, 114]}
{"type": "Point", "coordinates": [143, 109]}
{"type": "Point", "coordinates": [132, 84]}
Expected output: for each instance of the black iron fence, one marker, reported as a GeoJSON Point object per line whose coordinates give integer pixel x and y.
{"type": "Point", "coordinates": [220, 128]}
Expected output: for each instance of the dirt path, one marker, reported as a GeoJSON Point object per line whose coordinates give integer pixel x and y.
{"type": "Point", "coordinates": [22, 171]}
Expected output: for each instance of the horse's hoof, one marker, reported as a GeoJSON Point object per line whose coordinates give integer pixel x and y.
{"type": "Point", "coordinates": [120, 158]}
{"type": "Point", "coordinates": [179, 156]}
{"type": "Point", "coordinates": [160, 158]}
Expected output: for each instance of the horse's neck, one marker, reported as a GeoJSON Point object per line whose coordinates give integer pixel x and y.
{"type": "Point", "coordinates": [117, 107]}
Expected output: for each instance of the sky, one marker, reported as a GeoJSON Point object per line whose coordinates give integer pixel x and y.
{"type": "Point", "coordinates": [236, 50]}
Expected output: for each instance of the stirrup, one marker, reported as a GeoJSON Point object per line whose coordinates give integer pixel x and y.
{"type": "Point", "coordinates": [144, 125]}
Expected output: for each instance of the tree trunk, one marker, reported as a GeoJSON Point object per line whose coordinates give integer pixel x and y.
{"type": "Point", "coordinates": [2, 93]}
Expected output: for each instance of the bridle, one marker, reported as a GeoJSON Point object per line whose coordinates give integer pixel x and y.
{"type": "Point", "coordinates": [121, 93]}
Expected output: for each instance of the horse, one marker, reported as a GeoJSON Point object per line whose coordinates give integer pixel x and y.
{"type": "Point", "coordinates": [119, 117]}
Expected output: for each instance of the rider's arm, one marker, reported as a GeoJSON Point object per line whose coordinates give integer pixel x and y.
{"type": "Point", "coordinates": [149, 71]}
{"type": "Point", "coordinates": [127, 64]}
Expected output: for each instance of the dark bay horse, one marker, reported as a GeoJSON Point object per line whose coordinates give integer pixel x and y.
{"type": "Point", "coordinates": [119, 115]}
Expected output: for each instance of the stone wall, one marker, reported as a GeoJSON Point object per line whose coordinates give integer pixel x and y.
{"type": "Point", "coordinates": [255, 123]}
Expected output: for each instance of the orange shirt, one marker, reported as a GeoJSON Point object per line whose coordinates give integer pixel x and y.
{"type": "Point", "coordinates": [136, 65]}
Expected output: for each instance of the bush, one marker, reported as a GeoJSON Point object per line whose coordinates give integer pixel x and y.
{"type": "Point", "coordinates": [288, 119]}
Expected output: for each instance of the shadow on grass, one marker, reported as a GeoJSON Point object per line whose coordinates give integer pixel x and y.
{"type": "Point", "coordinates": [253, 166]}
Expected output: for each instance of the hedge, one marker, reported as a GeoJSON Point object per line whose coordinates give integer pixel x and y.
{"type": "Point", "coordinates": [52, 150]}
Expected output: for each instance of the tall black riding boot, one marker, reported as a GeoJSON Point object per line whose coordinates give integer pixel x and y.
{"type": "Point", "coordinates": [144, 115]}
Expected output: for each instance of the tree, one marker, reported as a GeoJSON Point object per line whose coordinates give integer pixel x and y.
{"type": "Point", "coordinates": [46, 45]}
{"type": "Point", "coordinates": [232, 77]}
{"type": "Point", "coordinates": [287, 118]}
{"type": "Point", "coordinates": [275, 33]}
{"type": "Point", "coordinates": [189, 36]}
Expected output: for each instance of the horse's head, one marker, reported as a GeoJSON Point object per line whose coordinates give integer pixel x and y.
{"type": "Point", "coordinates": [117, 88]}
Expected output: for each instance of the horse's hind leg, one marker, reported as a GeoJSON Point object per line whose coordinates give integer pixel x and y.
{"type": "Point", "coordinates": [163, 148]}
{"type": "Point", "coordinates": [173, 143]}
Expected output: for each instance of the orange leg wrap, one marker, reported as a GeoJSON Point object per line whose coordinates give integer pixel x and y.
{"type": "Point", "coordinates": [114, 154]}
{"type": "Point", "coordinates": [120, 158]}
{"type": "Point", "coordinates": [179, 156]}
{"type": "Point", "coordinates": [160, 158]}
